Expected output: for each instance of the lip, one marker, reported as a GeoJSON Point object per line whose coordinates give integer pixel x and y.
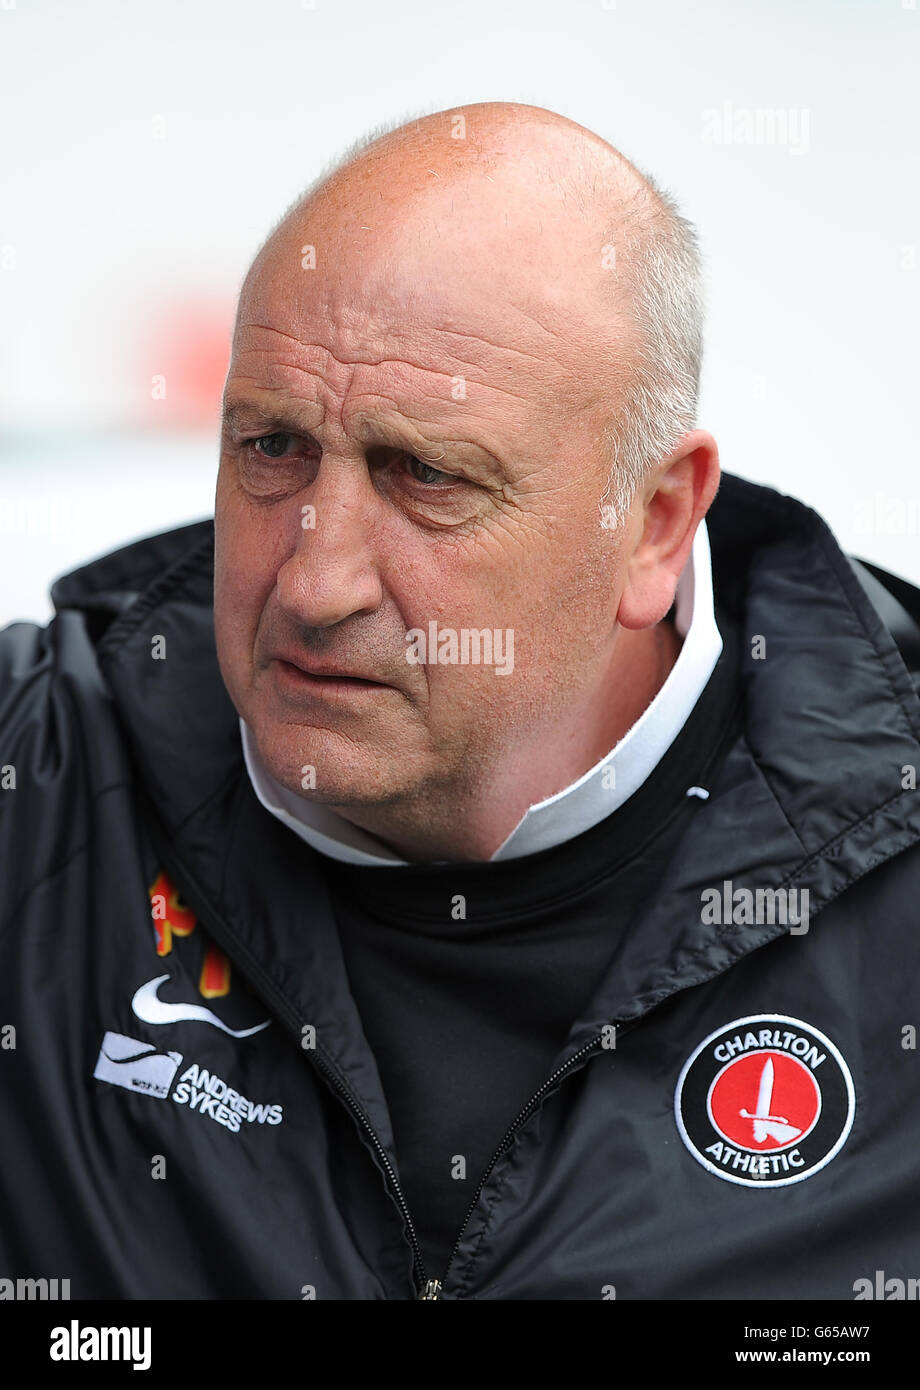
{"type": "Point", "coordinates": [322, 674]}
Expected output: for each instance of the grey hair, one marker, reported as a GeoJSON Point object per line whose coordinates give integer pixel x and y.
{"type": "Point", "coordinates": [659, 260]}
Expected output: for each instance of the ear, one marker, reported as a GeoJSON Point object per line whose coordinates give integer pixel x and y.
{"type": "Point", "coordinates": [662, 523]}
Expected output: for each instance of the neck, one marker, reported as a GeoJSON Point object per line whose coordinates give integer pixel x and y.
{"type": "Point", "coordinates": [471, 823]}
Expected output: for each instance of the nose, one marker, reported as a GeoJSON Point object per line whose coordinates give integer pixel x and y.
{"type": "Point", "coordinates": [333, 572]}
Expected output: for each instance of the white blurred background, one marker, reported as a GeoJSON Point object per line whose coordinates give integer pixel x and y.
{"type": "Point", "coordinates": [148, 148]}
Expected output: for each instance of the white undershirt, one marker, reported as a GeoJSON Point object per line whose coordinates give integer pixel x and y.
{"type": "Point", "coordinates": [579, 806]}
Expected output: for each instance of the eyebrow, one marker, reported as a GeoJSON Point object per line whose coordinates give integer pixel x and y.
{"type": "Point", "coordinates": [248, 414]}
{"type": "Point", "coordinates": [243, 414]}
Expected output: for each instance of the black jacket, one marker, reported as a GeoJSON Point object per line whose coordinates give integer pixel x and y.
{"type": "Point", "coordinates": [190, 1109]}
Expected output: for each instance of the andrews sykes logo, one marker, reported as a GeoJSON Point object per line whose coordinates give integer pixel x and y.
{"type": "Point", "coordinates": [765, 1101]}
{"type": "Point", "coordinates": [137, 1066]}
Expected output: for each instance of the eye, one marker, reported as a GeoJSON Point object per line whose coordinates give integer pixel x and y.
{"type": "Point", "coordinates": [272, 445]}
{"type": "Point", "coordinates": [272, 466]}
{"type": "Point", "coordinates": [424, 472]}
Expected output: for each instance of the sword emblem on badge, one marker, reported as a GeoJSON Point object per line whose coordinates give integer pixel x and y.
{"type": "Point", "coordinates": [767, 1126]}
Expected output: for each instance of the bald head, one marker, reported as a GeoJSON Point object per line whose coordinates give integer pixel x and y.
{"type": "Point", "coordinates": [493, 147]}
{"type": "Point", "coordinates": [508, 204]}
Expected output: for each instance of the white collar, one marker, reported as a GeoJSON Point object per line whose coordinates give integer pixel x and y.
{"type": "Point", "coordinates": [588, 800]}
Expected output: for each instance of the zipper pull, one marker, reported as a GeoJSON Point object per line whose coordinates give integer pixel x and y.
{"type": "Point", "coordinates": [431, 1290]}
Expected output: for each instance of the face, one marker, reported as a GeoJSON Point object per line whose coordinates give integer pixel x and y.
{"type": "Point", "coordinates": [410, 447]}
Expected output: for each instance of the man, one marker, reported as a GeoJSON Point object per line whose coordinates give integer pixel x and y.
{"type": "Point", "coordinates": [506, 889]}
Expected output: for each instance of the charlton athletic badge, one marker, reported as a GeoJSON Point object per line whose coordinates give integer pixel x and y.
{"type": "Point", "coordinates": [765, 1101]}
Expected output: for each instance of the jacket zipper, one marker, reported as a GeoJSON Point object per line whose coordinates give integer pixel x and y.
{"type": "Point", "coordinates": [432, 1287]}
{"type": "Point", "coordinates": [390, 1171]}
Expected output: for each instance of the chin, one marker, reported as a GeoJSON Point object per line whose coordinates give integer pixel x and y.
{"type": "Point", "coordinates": [344, 772]}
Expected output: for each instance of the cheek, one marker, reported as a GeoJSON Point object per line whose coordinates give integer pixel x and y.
{"type": "Point", "coordinates": [244, 578]}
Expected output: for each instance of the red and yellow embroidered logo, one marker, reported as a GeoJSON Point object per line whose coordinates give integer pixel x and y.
{"type": "Point", "coordinates": [172, 917]}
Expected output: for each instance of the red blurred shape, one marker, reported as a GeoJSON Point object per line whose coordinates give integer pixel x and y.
{"type": "Point", "coordinates": [186, 360]}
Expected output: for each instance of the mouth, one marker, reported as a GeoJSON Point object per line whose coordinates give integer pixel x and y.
{"type": "Point", "coordinates": [325, 680]}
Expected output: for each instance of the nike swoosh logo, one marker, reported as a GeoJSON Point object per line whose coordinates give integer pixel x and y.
{"type": "Point", "coordinates": [150, 1008]}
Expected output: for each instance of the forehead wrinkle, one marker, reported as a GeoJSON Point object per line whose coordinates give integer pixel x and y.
{"type": "Point", "coordinates": [370, 361]}
{"type": "Point", "coordinates": [278, 374]}
{"type": "Point", "coordinates": [245, 324]}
